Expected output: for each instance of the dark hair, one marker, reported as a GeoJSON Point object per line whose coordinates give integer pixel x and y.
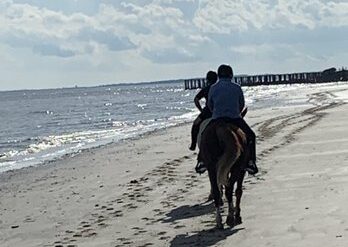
{"type": "Point", "coordinates": [211, 77]}
{"type": "Point", "coordinates": [225, 71]}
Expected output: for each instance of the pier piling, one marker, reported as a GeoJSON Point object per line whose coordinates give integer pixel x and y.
{"type": "Point", "coordinates": [329, 75]}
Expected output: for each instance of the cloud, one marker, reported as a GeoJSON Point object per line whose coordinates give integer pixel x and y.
{"type": "Point", "coordinates": [125, 27]}
{"type": "Point", "coordinates": [171, 39]}
{"type": "Point", "coordinates": [51, 33]}
{"type": "Point", "coordinates": [52, 50]}
{"type": "Point", "coordinates": [268, 34]}
{"type": "Point", "coordinates": [157, 26]}
{"type": "Point", "coordinates": [38, 46]}
{"type": "Point", "coordinates": [170, 56]}
{"type": "Point", "coordinates": [107, 37]}
{"type": "Point", "coordinates": [89, 7]}
{"type": "Point", "coordinates": [216, 16]}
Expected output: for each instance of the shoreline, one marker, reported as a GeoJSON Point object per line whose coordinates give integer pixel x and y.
{"type": "Point", "coordinates": [57, 154]}
{"type": "Point", "coordinates": [145, 192]}
{"type": "Point", "coordinates": [87, 149]}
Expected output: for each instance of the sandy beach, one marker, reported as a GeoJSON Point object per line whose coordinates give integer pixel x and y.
{"type": "Point", "coordinates": [145, 192]}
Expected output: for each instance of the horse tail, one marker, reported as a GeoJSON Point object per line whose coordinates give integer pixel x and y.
{"type": "Point", "coordinates": [232, 148]}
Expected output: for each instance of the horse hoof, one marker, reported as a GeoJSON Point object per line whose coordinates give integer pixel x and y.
{"type": "Point", "coordinates": [230, 220]}
{"type": "Point", "coordinates": [210, 197]}
{"type": "Point", "coordinates": [238, 220]}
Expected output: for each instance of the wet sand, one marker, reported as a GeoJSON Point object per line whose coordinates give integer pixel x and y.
{"type": "Point", "coordinates": [145, 192]}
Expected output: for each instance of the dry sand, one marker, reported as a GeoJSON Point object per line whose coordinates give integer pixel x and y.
{"type": "Point", "coordinates": [145, 192]}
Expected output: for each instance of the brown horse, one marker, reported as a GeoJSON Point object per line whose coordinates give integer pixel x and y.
{"type": "Point", "coordinates": [224, 151]}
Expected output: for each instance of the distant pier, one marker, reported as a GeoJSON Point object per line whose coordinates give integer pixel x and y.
{"type": "Point", "coordinates": [329, 75]}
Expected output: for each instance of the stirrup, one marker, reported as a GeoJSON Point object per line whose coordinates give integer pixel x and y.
{"type": "Point", "coordinates": [200, 167]}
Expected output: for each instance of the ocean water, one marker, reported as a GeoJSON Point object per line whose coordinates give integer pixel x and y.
{"type": "Point", "coordinates": [37, 126]}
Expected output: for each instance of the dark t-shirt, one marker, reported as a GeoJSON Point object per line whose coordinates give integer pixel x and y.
{"type": "Point", "coordinates": [204, 94]}
{"type": "Point", "coordinates": [206, 113]}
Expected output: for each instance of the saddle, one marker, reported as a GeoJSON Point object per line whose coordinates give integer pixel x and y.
{"type": "Point", "coordinates": [237, 130]}
{"type": "Point", "coordinates": [200, 167]}
{"type": "Point", "coordinates": [240, 134]}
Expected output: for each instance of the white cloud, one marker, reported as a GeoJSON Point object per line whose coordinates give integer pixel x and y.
{"type": "Point", "coordinates": [217, 16]}
{"type": "Point", "coordinates": [171, 34]}
{"type": "Point", "coordinates": [57, 34]}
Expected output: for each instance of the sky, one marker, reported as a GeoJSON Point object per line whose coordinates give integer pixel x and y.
{"type": "Point", "coordinates": [62, 43]}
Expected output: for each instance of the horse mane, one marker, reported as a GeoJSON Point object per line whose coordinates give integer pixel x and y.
{"type": "Point", "coordinates": [232, 139]}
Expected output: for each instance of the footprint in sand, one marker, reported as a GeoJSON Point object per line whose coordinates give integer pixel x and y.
{"type": "Point", "coordinates": [179, 226]}
{"type": "Point", "coordinates": [147, 219]}
{"type": "Point", "coordinates": [100, 218]}
{"type": "Point", "coordinates": [147, 244]}
{"type": "Point", "coordinates": [102, 224]}
{"type": "Point", "coordinates": [164, 238]}
{"type": "Point", "coordinates": [28, 219]}
{"type": "Point", "coordinates": [123, 239]}
{"type": "Point", "coordinates": [57, 243]}
{"type": "Point", "coordinates": [86, 225]}
{"type": "Point", "coordinates": [136, 228]}
{"type": "Point", "coordinates": [116, 212]}
{"type": "Point", "coordinates": [161, 233]}
{"type": "Point", "coordinates": [86, 233]}
{"type": "Point", "coordinates": [148, 189]}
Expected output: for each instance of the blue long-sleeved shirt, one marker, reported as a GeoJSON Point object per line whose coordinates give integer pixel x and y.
{"type": "Point", "coordinates": [226, 99]}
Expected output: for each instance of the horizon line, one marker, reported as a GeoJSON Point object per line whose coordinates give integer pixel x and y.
{"type": "Point", "coordinates": [95, 86]}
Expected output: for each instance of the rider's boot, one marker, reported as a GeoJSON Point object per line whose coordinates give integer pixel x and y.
{"type": "Point", "coordinates": [252, 168]}
{"type": "Point", "coordinates": [200, 167]}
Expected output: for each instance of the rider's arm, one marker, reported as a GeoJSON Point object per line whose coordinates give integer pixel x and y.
{"type": "Point", "coordinates": [197, 103]}
{"type": "Point", "coordinates": [197, 99]}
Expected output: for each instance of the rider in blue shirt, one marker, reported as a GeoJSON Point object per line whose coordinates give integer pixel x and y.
{"type": "Point", "coordinates": [226, 101]}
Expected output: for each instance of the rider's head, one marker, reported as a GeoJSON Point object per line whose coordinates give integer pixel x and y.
{"type": "Point", "coordinates": [211, 77]}
{"type": "Point", "coordinates": [225, 71]}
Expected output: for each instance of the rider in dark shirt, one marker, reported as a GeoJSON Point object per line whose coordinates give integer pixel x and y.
{"type": "Point", "coordinates": [205, 112]}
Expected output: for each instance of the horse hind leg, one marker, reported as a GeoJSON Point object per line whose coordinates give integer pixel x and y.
{"type": "Point", "coordinates": [229, 196]}
{"type": "Point", "coordinates": [239, 193]}
{"type": "Point", "coordinates": [211, 196]}
{"type": "Point", "coordinates": [218, 219]}
{"type": "Point", "coordinates": [217, 197]}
